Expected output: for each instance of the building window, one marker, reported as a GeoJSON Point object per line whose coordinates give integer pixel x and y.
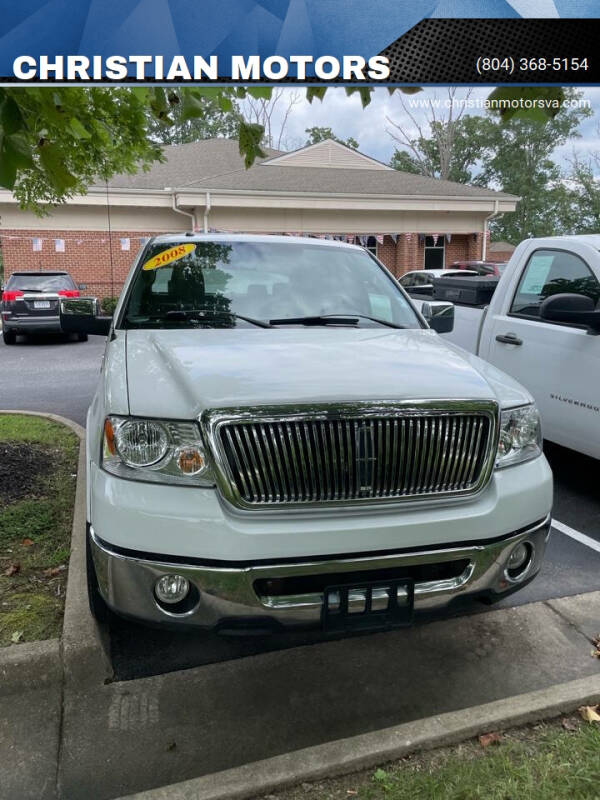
{"type": "Point", "coordinates": [435, 252]}
{"type": "Point", "coordinates": [372, 245]}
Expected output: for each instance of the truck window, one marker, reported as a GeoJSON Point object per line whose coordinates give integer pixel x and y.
{"type": "Point", "coordinates": [263, 280]}
{"type": "Point", "coordinates": [41, 283]}
{"type": "Point", "coordinates": [551, 272]}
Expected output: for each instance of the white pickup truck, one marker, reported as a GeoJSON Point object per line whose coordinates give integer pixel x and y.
{"type": "Point", "coordinates": [280, 439]}
{"type": "Point", "coordinates": [542, 327]}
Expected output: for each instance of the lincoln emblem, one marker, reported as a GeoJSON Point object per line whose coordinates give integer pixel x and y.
{"type": "Point", "coordinates": [365, 457]}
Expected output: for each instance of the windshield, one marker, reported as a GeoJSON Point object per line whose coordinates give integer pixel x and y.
{"type": "Point", "coordinates": [260, 281]}
{"type": "Point", "coordinates": [41, 283]}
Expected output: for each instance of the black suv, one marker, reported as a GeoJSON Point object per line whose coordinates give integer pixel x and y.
{"type": "Point", "coordinates": [30, 303]}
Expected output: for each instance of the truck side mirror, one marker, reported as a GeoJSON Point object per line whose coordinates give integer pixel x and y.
{"type": "Point", "coordinates": [578, 309]}
{"type": "Point", "coordinates": [439, 315]}
{"type": "Point", "coordinates": [83, 315]}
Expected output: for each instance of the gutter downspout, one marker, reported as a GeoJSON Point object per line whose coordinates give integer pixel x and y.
{"type": "Point", "coordinates": [189, 214]}
{"type": "Point", "coordinates": [206, 212]}
{"type": "Point", "coordinates": [485, 229]}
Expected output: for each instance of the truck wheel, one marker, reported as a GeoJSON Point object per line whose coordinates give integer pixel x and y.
{"type": "Point", "coordinates": [10, 337]}
{"type": "Point", "coordinates": [82, 337]}
{"type": "Point", "coordinates": [100, 611]}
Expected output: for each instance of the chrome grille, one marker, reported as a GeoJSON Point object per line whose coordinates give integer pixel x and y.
{"type": "Point", "coordinates": [315, 460]}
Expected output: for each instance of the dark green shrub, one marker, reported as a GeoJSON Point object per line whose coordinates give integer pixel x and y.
{"type": "Point", "coordinates": [109, 304]}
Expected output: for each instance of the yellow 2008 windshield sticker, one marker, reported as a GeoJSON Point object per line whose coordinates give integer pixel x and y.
{"type": "Point", "coordinates": [166, 257]}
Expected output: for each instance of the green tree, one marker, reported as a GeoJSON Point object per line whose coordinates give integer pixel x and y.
{"type": "Point", "coordinates": [520, 161]}
{"type": "Point", "coordinates": [585, 190]}
{"type": "Point", "coordinates": [320, 134]}
{"type": "Point", "coordinates": [213, 122]}
{"type": "Point", "coordinates": [443, 153]}
{"type": "Point", "coordinates": [445, 145]}
{"type": "Point", "coordinates": [511, 152]}
{"type": "Point", "coordinates": [57, 141]}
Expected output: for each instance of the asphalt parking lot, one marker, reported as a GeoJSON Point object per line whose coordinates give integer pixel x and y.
{"type": "Point", "coordinates": [49, 374]}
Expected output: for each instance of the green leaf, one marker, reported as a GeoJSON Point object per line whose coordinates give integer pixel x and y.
{"type": "Point", "coordinates": [102, 132]}
{"type": "Point", "coordinates": [192, 107]}
{"type": "Point", "coordinates": [78, 130]}
{"type": "Point", "coordinates": [52, 160]}
{"type": "Point", "coordinates": [315, 91]}
{"type": "Point", "coordinates": [250, 138]}
{"type": "Point", "coordinates": [534, 103]}
{"type": "Point", "coordinates": [380, 775]}
{"type": "Point", "coordinates": [20, 150]}
{"type": "Point", "coordinates": [225, 103]}
{"type": "Point", "coordinates": [405, 89]}
{"type": "Point", "coordinates": [16, 637]}
{"type": "Point", "coordinates": [158, 102]}
{"type": "Point", "coordinates": [11, 118]}
{"type": "Point", "coordinates": [8, 168]}
{"type": "Point", "coordinates": [260, 92]}
{"type": "Point", "coordinates": [206, 91]}
{"type": "Point", "coordinates": [141, 93]}
{"type": "Point", "coordinates": [363, 91]}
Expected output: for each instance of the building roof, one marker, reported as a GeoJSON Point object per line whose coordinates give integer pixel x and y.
{"type": "Point", "coordinates": [500, 247]}
{"type": "Point", "coordinates": [216, 164]}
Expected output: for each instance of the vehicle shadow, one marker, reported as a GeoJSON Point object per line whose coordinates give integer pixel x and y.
{"type": "Point", "coordinates": [37, 339]}
{"type": "Point", "coordinates": [139, 651]}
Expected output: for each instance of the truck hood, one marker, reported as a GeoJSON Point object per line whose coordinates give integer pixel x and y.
{"type": "Point", "coordinates": [180, 373]}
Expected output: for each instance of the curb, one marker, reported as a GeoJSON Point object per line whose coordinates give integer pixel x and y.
{"type": "Point", "coordinates": [30, 664]}
{"type": "Point", "coordinates": [371, 749]}
{"type": "Point", "coordinates": [83, 645]}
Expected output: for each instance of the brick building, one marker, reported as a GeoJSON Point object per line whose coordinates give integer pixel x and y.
{"type": "Point", "coordinates": [325, 189]}
{"type": "Point", "coordinates": [500, 251]}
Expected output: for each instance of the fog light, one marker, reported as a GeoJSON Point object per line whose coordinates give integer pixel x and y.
{"type": "Point", "coordinates": [519, 561]}
{"type": "Point", "coordinates": [518, 556]}
{"type": "Point", "coordinates": [172, 588]}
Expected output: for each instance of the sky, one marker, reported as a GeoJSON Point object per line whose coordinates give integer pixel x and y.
{"type": "Point", "coordinates": [370, 126]}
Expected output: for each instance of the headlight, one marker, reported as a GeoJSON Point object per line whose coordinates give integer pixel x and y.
{"type": "Point", "coordinates": [141, 442]}
{"type": "Point", "coordinates": [520, 436]}
{"type": "Point", "coordinates": [160, 451]}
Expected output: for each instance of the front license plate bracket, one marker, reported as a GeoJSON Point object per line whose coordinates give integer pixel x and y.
{"type": "Point", "coordinates": [368, 606]}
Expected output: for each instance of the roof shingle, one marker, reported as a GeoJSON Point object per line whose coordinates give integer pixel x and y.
{"type": "Point", "coordinates": [217, 164]}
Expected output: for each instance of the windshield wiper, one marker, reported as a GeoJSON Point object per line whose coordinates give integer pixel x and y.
{"type": "Point", "coordinates": [331, 319]}
{"type": "Point", "coordinates": [322, 320]}
{"type": "Point", "coordinates": [373, 319]}
{"type": "Point", "coordinates": [206, 314]}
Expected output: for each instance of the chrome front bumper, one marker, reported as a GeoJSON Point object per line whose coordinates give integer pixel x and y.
{"type": "Point", "coordinates": [226, 597]}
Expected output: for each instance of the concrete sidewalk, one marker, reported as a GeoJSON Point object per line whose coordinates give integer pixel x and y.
{"type": "Point", "coordinates": [121, 738]}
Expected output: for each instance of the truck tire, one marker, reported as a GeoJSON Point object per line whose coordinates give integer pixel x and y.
{"type": "Point", "coordinates": [100, 611]}
{"type": "Point", "coordinates": [82, 337]}
{"type": "Point", "coordinates": [10, 337]}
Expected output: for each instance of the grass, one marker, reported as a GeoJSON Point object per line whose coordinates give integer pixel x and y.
{"type": "Point", "coordinates": [35, 530]}
{"type": "Point", "coordinates": [543, 762]}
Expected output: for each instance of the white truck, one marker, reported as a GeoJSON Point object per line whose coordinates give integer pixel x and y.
{"type": "Point", "coordinates": [280, 439]}
{"type": "Point", "coordinates": [542, 327]}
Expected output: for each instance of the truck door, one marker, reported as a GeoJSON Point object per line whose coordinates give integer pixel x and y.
{"type": "Point", "coordinates": [559, 363]}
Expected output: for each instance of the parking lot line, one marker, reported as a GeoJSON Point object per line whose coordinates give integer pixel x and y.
{"type": "Point", "coordinates": [580, 537]}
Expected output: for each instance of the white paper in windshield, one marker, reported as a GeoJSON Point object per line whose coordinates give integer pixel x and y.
{"type": "Point", "coordinates": [536, 274]}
